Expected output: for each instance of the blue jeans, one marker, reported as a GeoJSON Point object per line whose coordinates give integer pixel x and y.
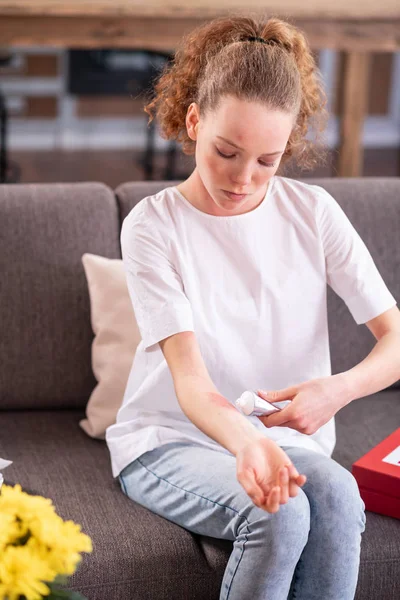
{"type": "Point", "coordinates": [308, 550]}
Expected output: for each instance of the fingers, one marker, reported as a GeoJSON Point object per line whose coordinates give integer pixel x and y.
{"type": "Point", "coordinates": [252, 488]}
{"type": "Point", "coordinates": [293, 472]}
{"type": "Point", "coordinates": [295, 477]}
{"type": "Point", "coordinates": [279, 494]}
{"type": "Point", "coordinates": [284, 485]}
{"type": "Point", "coordinates": [295, 485]}
{"type": "Point", "coordinates": [273, 500]}
{"type": "Point", "coordinates": [267, 500]}
{"type": "Point", "coordinates": [287, 485]}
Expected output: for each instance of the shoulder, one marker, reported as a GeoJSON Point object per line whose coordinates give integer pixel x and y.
{"type": "Point", "coordinates": [151, 212]}
{"type": "Point", "coordinates": [300, 190]}
{"type": "Point", "coordinates": [308, 198]}
{"type": "Point", "coordinates": [149, 226]}
{"type": "Point", "coordinates": [308, 201]}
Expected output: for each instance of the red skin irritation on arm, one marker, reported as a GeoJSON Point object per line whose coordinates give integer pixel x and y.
{"type": "Point", "coordinates": [219, 400]}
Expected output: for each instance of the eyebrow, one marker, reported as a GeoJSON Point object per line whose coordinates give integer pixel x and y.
{"type": "Point", "coordinates": [239, 148]}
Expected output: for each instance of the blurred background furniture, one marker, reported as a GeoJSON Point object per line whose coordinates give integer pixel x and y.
{"type": "Point", "coordinates": [3, 145]}
{"type": "Point", "coordinates": [46, 379]}
{"type": "Point", "coordinates": [111, 72]}
{"type": "Point", "coordinates": [9, 170]}
{"type": "Point", "coordinates": [355, 29]}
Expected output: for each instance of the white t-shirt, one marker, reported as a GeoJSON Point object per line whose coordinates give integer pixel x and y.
{"type": "Point", "coordinates": [253, 289]}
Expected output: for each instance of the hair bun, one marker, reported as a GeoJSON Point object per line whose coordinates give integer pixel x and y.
{"type": "Point", "coordinates": [254, 38]}
{"type": "Point", "coordinates": [269, 41]}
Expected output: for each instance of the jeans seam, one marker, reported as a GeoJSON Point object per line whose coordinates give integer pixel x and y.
{"type": "Point", "coordinates": [123, 485]}
{"type": "Point", "coordinates": [213, 502]}
{"type": "Point", "coordinates": [240, 558]}
{"type": "Point", "coordinates": [190, 492]}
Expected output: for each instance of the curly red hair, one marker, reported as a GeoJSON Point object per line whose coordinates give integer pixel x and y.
{"type": "Point", "coordinates": [215, 60]}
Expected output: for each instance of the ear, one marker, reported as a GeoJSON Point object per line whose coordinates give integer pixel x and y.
{"type": "Point", "coordinates": [192, 121]}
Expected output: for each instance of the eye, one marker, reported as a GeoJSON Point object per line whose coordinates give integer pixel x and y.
{"type": "Point", "coordinates": [270, 165]}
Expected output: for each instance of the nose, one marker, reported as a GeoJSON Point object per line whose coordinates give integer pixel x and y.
{"type": "Point", "coordinates": [241, 177]}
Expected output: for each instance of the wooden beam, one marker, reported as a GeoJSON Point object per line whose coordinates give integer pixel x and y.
{"type": "Point", "coordinates": [164, 34]}
{"type": "Point", "coordinates": [314, 9]}
{"type": "Point", "coordinates": [94, 32]}
{"type": "Point", "coordinates": [354, 107]}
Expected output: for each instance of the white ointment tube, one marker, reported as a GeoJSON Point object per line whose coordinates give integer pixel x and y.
{"type": "Point", "coordinates": [250, 404]}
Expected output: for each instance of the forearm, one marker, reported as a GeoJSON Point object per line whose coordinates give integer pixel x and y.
{"type": "Point", "coordinates": [377, 371]}
{"type": "Point", "coordinates": [214, 415]}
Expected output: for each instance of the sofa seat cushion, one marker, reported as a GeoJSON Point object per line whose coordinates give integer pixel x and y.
{"type": "Point", "coordinates": [141, 556]}
{"type": "Point", "coordinates": [137, 555]}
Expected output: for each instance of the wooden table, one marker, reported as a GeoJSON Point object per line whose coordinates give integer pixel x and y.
{"type": "Point", "coordinates": [355, 28]}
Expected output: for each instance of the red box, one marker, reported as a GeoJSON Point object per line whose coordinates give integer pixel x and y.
{"type": "Point", "coordinates": [378, 476]}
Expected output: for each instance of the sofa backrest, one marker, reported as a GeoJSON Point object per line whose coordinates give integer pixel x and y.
{"type": "Point", "coordinates": [46, 334]}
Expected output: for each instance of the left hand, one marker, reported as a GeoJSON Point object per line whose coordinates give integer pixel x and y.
{"type": "Point", "coordinates": [313, 403]}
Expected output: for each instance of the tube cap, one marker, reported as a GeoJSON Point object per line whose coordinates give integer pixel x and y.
{"type": "Point", "coordinates": [246, 402]}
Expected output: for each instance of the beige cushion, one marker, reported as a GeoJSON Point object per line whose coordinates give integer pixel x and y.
{"type": "Point", "coordinates": [116, 339]}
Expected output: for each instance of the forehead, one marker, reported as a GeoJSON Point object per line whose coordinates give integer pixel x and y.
{"type": "Point", "coordinates": [245, 122]}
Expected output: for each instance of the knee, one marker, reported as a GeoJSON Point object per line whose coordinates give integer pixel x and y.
{"type": "Point", "coordinates": [341, 496]}
{"type": "Point", "coordinates": [290, 525]}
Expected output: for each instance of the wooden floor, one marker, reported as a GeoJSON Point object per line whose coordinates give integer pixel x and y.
{"type": "Point", "coordinates": [117, 166]}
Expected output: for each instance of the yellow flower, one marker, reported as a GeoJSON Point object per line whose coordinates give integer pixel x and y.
{"type": "Point", "coordinates": [20, 504]}
{"type": "Point", "coordinates": [22, 573]}
{"type": "Point", "coordinates": [10, 530]}
{"type": "Point", "coordinates": [19, 511]}
{"type": "Point", "coordinates": [61, 542]}
{"type": "Point", "coordinates": [51, 543]}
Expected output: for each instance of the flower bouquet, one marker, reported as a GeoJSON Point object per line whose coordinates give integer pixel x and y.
{"type": "Point", "coordinates": [38, 550]}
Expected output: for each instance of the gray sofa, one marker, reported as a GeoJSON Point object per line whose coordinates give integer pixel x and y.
{"type": "Point", "coordinates": [46, 380]}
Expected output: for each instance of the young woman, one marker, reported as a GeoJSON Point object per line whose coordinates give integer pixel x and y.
{"type": "Point", "coordinates": [227, 274]}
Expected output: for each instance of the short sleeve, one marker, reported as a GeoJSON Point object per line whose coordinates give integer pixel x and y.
{"type": "Point", "coordinates": [155, 287]}
{"type": "Point", "coordinates": [350, 269]}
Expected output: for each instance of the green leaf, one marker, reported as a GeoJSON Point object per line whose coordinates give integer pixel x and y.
{"type": "Point", "coordinates": [58, 594]}
{"type": "Point", "coordinates": [59, 580]}
{"type": "Point", "coordinates": [64, 595]}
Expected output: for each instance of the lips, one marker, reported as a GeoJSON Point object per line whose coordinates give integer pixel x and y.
{"type": "Point", "coordinates": [234, 196]}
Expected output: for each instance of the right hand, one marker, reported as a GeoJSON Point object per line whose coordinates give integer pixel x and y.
{"type": "Point", "coordinates": [267, 474]}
